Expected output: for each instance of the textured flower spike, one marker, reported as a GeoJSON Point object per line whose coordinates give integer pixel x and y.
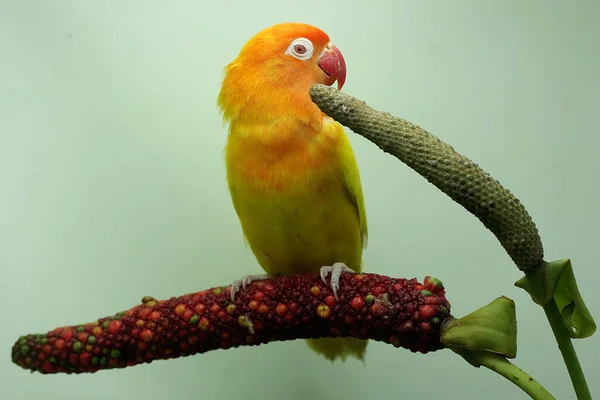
{"type": "Point", "coordinates": [477, 191]}
{"type": "Point", "coordinates": [454, 174]}
{"type": "Point", "coordinates": [404, 313]}
{"type": "Point", "coordinates": [552, 285]}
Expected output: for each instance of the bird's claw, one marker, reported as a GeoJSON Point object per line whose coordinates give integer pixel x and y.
{"type": "Point", "coordinates": [336, 271]}
{"type": "Point", "coordinates": [245, 281]}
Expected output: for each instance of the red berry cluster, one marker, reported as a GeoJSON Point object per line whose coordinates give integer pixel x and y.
{"type": "Point", "coordinates": [402, 312]}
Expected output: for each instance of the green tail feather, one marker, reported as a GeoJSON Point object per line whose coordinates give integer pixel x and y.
{"type": "Point", "coordinates": [339, 348]}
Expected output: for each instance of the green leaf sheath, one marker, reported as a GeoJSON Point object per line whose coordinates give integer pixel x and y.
{"type": "Point", "coordinates": [402, 312]}
{"type": "Point", "coordinates": [492, 328]}
{"type": "Point", "coordinates": [457, 176]}
{"type": "Point", "coordinates": [555, 283]}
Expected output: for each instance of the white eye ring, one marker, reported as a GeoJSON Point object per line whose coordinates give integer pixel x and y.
{"type": "Point", "coordinates": [300, 48]}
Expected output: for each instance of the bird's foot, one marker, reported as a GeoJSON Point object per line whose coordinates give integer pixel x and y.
{"type": "Point", "coordinates": [336, 271]}
{"type": "Point", "coordinates": [245, 281]}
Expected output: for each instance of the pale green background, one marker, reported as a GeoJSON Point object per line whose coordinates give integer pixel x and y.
{"type": "Point", "coordinates": [113, 184]}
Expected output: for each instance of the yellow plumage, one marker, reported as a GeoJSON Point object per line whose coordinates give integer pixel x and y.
{"type": "Point", "coordinates": [291, 171]}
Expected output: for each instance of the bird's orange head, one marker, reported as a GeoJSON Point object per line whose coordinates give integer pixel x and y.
{"type": "Point", "coordinates": [272, 75]}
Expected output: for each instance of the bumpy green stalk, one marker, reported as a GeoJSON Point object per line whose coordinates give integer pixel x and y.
{"type": "Point", "coordinates": [457, 176]}
{"type": "Point", "coordinates": [567, 351]}
{"type": "Point", "coordinates": [463, 181]}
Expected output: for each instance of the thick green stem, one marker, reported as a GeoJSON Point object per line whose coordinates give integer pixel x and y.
{"type": "Point", "coordinates": [567, 351]}
{"type": "Point", "coordinates": [516, 375]}
{"type": "Point", "coordinates": [508, 370]}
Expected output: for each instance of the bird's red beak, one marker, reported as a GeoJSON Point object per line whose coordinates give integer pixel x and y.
{"type": "Point", "coordinates": [333, 64]}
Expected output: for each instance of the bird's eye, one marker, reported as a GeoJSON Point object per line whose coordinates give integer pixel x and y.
{"type": "Point", "coordinates": [300, 48]}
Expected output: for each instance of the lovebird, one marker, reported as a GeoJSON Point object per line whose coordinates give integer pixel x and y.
{"type": "Point", "coordinates": [291, 171]}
